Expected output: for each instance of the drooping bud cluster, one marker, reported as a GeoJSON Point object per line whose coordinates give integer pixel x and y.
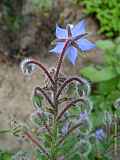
{"type": "Point", "coordinates": [26, 67]}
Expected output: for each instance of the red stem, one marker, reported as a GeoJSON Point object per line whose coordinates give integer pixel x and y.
{"type": "Point", "coordinates": [68, 106]}
{"type": "Point", "coordinates": [78, 79]}
{"type": "Point", "coordinates": [60, 60]}
{"type": "Point", "coordinates": [41, 66]}
{"type": "Point", "coordinates": [36, 143]}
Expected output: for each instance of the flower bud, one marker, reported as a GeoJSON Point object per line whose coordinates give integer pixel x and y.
{"type": "Point", "coordinates": [100, 134]}
{"type": "Point", "coordinates": [26, 67]}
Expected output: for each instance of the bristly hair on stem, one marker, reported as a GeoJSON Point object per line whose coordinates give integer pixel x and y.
{"type": "Point", "coordinates": [35, 141]}
{"type": "Point", "coordinates": [71, 104]}
{"type": "Point", "coordinates": [67, 43]}
{"type": "Point", "coordinates": [38, 89]}
{"type": "Point", "coordinates": [25, 64]}
{"type": "Point", "coordinates": [60, 60]}
{"type": "Point", "coordinates": [69, 80]}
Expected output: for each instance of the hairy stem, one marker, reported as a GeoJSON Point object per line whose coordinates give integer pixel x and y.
{"type": "Point", "coordinates": [54, 138]}
{"type": "Point", "coordinates": [45, 95]}
{"type": "Point", "coordinates": [55, 87]}
{"type": "Point", "coordinates": [41, 66]}
{"type": "Point", "coordinates": [70, 105]}
{"type": "Point", "coordinates": [29, 136]}
{"type": "Point", "coordinates": [64, 99]}
{"type": "Point", "coordinates": [68, 81]}
{"type": "Point", "coordinates": [60, 61]}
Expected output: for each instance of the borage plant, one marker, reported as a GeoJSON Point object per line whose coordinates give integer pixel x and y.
{"type": "Point", "coordinates": [63, 124]}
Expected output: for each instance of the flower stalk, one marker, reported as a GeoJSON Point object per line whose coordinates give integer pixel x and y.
{"type": "Point", "coordinates": [29, 136]}
{"type": "Point", "coordinates": [68, 43]}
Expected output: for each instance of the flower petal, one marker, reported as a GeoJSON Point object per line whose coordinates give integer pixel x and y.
{"type": "Point", "coordinates": [72, 54]}
{"type": "Point", "coordinates": [60, 33]}
{"type": "Point", "coordinates": [58, 48]}
{"type": "Point", "coordinates": [79, 28]}
{"type": "Point", "coordinates": [85, 45]}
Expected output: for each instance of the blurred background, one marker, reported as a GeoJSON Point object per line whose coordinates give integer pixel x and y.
{"type": "Point", "coordinates": [27, 29]}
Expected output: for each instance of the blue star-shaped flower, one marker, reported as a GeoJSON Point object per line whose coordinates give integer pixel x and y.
{"type": "Point", "coordinates": [77, 41]}
{"type": "Point", "coordinates": [100, 134]}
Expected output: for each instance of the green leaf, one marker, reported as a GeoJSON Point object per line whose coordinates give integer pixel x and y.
{"type": "Point", "coordinates": [104, 88]}
{"type": "Point", "coordinates": [96, 75]}
{"type": "Point", "coordinates": [37, 101]}
{"type": "Point", "coordinates": [115, 94]}
{"type": "Point", "coordinates": [5, 156]}
{"type": "Point", "coordinates": [68, 145]}
{"type": "Point", "coordinates": [40, 156]}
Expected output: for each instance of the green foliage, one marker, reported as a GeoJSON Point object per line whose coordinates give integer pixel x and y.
{"type": "Point", "coordinates": [107, 13]}
{"type": "Point", "coordinates": [4, 155]}
{"type": "Point", "coordinates": [67, 149]}
{"type": "Point", "coordinates": [111, 62]}
{"type": "Point", "coordinates": [106, 87]}
{"type": "Point", "coordinates": [102, 148]}
{"type": "Point", "coordinates": [103, 97]}
{"type": "Point", "coordinates": [97, 74]}
{"type": "Point", "coordinates": [105, 79]}
{"type": "Point", "coordinates": [40, 156]}
{"type": "Point", "coordinates": [37, 101]}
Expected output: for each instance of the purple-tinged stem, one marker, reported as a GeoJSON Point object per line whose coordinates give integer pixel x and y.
{"type": "Point", "coordinates": [78, 79]}
{"type": "Point", "coordinates": [60, 60]}
{"type": "Point", "coordinates": [69, 105]}
{"type": "Point", "coordinates": [56, 76]}
{"type": "Point", "coordinates": [64, 99]}
{"type": "Point", "coordinates": [45, 95]}
{"type": "Point", "coordinates": [29, 136]}
{"type": "Point", "coordinates": [41, 66]}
